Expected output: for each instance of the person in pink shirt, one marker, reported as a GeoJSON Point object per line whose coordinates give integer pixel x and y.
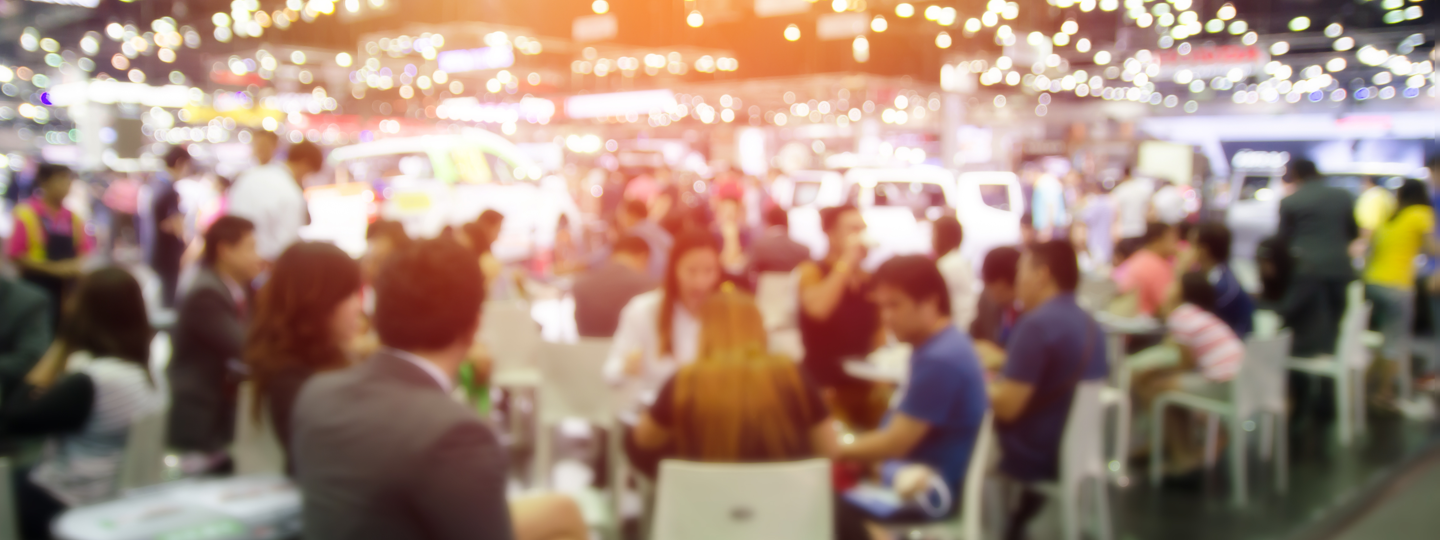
{"type": "Point", "coordinates": [1149, 273]}
{"type": "Point", "coordinates": [49, 241]}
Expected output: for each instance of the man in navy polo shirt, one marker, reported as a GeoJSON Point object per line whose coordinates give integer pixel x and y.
{"type": "Point", "coordinates": [1054, 347]}
{"type": "Point", "coordinates": [944, 401]}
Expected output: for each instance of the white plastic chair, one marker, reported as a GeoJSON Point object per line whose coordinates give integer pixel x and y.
{"type": "Point", "coordinates": [968, 524]}
{"type": "Point", "coordinates": [760, 501]}
{"type": "Point", "coordinates": [1259, 388]}
{"type": "Point", "coordinates": [512, 337]}
{"type": "Point", "coordinates": [1346, 367]}
{"type": "Point", "coordinates": [1082, 457]}
{"type": "Point", "coordinates": [144, 461]}
{"type": "Point", "coordinates": [778, 297]}
{"type": "Point", "coordinates": [573, 386]}
{"type": "Point", "coordinates": [9, 519]}
{"type": "Point", "coordinates": [256, 449]}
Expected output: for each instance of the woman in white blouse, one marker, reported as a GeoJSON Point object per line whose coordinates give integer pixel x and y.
{"type": "Point", "coordinates": [658, 331]}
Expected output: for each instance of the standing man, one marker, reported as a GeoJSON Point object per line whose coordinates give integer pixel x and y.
{"type": "Point", "coordinates": [1317, 224]}
{"type": "Point", "coordinates": [634, 220]}
{"type": "Point", "coordinates": [49, 241]}
{"type": "Point", "coordinates": [209, 339]}
{"type": "Point", "coordinates": [943, 404]}
{"type": "Point", "coordinates": [1132, 210]}
{"type": "Point", "coordinates": [774, 250]}
{"type": "Point", "coordinates": [169, 223]}
{"type": "Point", "coordinates": [1056, 345]}
{"type": "Point", "coordinates": [271, 198]}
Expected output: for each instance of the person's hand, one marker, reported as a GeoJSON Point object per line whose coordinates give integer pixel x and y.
{"type": "Point", "coordinates": [1432, 283]}
{"type": "Point", "coordinates": [853, 250]}
{"type": "Point", "coordinates": [69, 268]}
{"type": "Point", "coordinates": [633, 364]}
{"type": "Point", "coordinates": [480, 360]}
{"type": "Point", "coordinates": [992, 357]}
{"type": "Point", "coordinates": [1185, 260]}
{"type": "Point", "coordinates": [911, 481]}
{"type": "Point", "coordinates": [48, 369]}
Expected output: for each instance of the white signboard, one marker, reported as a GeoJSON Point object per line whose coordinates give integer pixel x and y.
{"type": "Point", "coordinates": [620, 104]}
{"type": "Point", "coordinates": [776, 8]}
{"type": "Point", "coordinates": [837, 26]}
{"type": "Point", "coordinates": [594, 28]}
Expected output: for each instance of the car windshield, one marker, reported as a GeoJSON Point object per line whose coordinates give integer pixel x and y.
{"type": "Point", "coordinates": [388, 167]}
{"type": "Point", "coordinates": [914, 195]}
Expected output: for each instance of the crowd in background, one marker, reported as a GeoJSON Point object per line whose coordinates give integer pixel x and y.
{"type": "Point", "coordinates": [355, 361]}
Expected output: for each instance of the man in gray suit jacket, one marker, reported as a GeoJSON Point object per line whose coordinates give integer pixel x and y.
{"type": "Point", "coordinates": [382, 451]}
{"type": "Point", "coordinates": [209, 336]}
{"type": "Point", "coordinates": [24, 330]}
{"type": "Point", "coordinates": [1317, 225]}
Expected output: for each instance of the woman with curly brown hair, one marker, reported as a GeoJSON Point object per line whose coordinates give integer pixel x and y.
{"type": "Point", "coordinates": [307, 317]}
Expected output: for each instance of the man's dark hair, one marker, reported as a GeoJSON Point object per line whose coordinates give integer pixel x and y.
{"type": "Point", "coordinates": [777, 217]}
{"type": "Point", "coordinates": [1156, 230]}
{"type": "Point", "coordinates": [388, 230]}
{"type": "Point", "coordinates": [490, 218]}
{"type": "Point", "coordinates": [1214, 237]}
{"type": "Point", "coordinates": [107, 317]}
{"type": "Point", "coordinates": [175, 156]}
{"type": "Point", "coordinates": [226, 231]}
{"type": "Point", "coordinates": [307, 153]}
{"type": "Point", "coordinates": [947, 235]}
{"type": "Point", "coordinates": [1304, 170]}
{"type": "Point", "coordinates": [635, 208]}
{"type": "Point", "coordinates": [829, 217]}
{"type": "Point", "coordinates": [917, 277]}
{"type": "Point", "coordinates": [262, 134]}
{"type": "Point", "coordinates": [428, 296]}
{"type": "Point", "coordinates": [1027, 220]}
{"type": "Point", "coordinates": [1195, 288]}
{"type": "Point", "coordinates": [49, 171]}
{"type": "Point", "coordinates": [633, 245]}
{"type": "Point", "coordinates": [1000, 265]}
{"type": "Point", "coordinates": [1057, 256]}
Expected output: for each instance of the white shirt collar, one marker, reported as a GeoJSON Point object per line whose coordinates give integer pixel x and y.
{"type": "Point", "coordinates": [425, 365]}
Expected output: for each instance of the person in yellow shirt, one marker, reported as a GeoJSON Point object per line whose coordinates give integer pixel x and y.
{"type": "Point", "coordinates": [1390, 276]}
{"type": "Point", "coordinates": [1374, 207]}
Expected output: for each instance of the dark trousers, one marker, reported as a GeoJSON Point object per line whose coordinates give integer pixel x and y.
{"type": "Point", "coordinates": [167, 268]}
{"type": "Point", "coordinates": [1312, 308]}
{"type": "Point", "coordinates": [35, 506]}
{"type": "Point", "coordinates": [55, 290]}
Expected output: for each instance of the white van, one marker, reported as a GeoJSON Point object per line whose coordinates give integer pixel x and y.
{"type": "Point", "coordinates": [899, 205]}
{"type": "Point", "coordinates": [429, 182]}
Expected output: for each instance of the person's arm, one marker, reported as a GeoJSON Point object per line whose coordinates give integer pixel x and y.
{"type": "Point", "coordinates": [61, 408]}
{"type": "Point", "coordinates": [820, 295]}
{"type": "Point", "coordinates": [457, 491]}
{"type": "Point", "coordinates": [649, 434]}
{"type": "Point", "coordinates": [824, 441]}
{"type": "Point", "coordinates": [895, 440]}
{"type": "Point", "coordinates": [1008, 399]}
{"type": "Point", "coordinates": [628, 347]}
{"type": "Point", "coordinates": [33, 335]}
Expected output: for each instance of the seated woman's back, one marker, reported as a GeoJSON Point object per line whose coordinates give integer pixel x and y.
{"type": "Point", "coordinates": [737, 402]}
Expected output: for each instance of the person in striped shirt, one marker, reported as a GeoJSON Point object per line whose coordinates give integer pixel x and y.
{"type": "Point", "coordinates": [1207, 356]}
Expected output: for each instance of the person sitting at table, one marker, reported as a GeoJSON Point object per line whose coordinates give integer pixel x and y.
{"type": "Point", "coordinates": [1054, 347]}
{"type": "Point", "coordinates": [934, 426]}
{"type": "Point", "coordinates": [84, 396]}
{"type": "Point", "coordinates": [1209, 252]}
{"type": "Point", "coordinates": [1200, 355]}
{"type": "Point", "coordinates": [995, 313]}
{"type": "Point", "coordinates": [1145, 277]}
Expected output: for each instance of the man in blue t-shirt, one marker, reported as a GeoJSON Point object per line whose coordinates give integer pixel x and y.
{"type": "Point", "coordinates": [1055, 345]}
{"type": "Point", "coordinates": [1210, 246]}
{"type": "Point", "coordinates": [944, 401]}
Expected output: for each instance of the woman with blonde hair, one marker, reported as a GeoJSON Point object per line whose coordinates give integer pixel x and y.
{"type": "Point", "coordinates": [737, 402]}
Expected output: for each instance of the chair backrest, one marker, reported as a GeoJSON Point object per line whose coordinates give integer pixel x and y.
{"type": "Point", "coordinates": [9, 519]}
{"type": "Point", "coordinates": [777, 294]}
{"type": "Point", "coordinates": [1350, 345]}
{"type": "Point", "coordinates": [161, 350]}
{"type": "Point", "coordinates": [1261, 383]}
{"type": "Point", "coordinates": [1082, 448]}
{"type": "Point", "coordinates": [1266, 323]}
{"type": "Point", "coordinates": [256, 449]}
{"type": "Point", "coordinates": [761, 501]}
{"type": "Point", "coordinates": [973, 497]}
{"type": "Point", "coordinates": [573, 382]}
{"type": "Point", "coordinates": [510, 334]}
{"type": "Point", "coordinates": [144, 461]}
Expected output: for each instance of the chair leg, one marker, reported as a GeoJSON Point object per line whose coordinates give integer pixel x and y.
{"type": "Point", "coordinates": [1122, 435]}
{"type": "Point", "coordinates": [1343, 412]}
{"type": "Point", "coordinates": [1102, 510]}
{"type": "Point", "coordinates": [1212, 440]}
{"type": "Point", "coordinates": [1267, 436]}
{"type": "Point", "coordinates": [1157, 441]}
{"type": "Point", "coordinates": [540, 466]}
{"type": "Point", "coordinates": [1237, 459]}
{"type": "Point", "coordinates": [1282, 453]}
{"type": "Point", "coordinates": [1357, 379]}
{"type": "Point", "coordinates": [1070, 510]}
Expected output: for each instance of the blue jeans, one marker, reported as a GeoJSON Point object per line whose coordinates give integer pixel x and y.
{"type": "Point", "coordinates": [1395, 317]}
